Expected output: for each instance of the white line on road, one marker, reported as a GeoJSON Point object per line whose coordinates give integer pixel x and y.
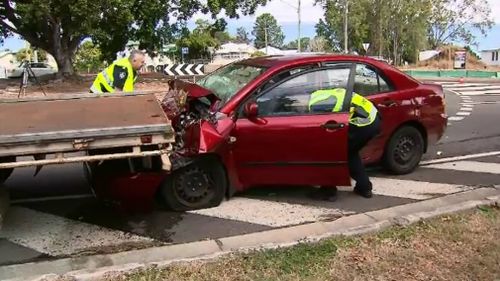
{"type": "Point", "coordinates": [417, 190]}
{"type": "Point", "coordinates": [459, 158]}
{"type": "Point", "coordinates": [463, 113]}
{"type": "Point", "coordinates": [479, 93]}
{"type": "Point", "coordinates": [469, 166]}
{"type": "Point", "coordinates": [466, 109]}
{"type": "Point", "coordinates": [54, 235]}
{"type": "Point", "coordinates": [270, 213]}
{"type": "Point", "coordinates": [467, 105]}
{"type": "Point", "coordinates": [456, 118]}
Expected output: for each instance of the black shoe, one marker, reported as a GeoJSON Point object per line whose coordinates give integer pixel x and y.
{"type": "Point", "coordinates": [363, 193]}
{"type": "Point", "coordinates": [325, 193]}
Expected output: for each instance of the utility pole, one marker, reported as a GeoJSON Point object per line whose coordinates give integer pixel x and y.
{"type": "Point", "coordinates": [299, 18]}
{"type": "Point", "coordinates": [346, 11]}
{"type": "Point", "coordinates": [298, 42]}
{"type": "Point", "coordinates": [265, 38]}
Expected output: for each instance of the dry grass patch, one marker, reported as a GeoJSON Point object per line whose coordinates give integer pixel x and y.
{"type": "Point", "coordinates": [464, 246]}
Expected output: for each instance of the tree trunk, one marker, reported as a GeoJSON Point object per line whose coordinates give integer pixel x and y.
{"type": "Point", "coordinates": [64, 64]}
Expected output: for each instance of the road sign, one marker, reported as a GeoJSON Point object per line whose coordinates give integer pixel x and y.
{"type": "Point", "coordinates": [184, 69]}
{"type": "Point", "coordinates": [366, 46]}
{"type": "Point", "coordinates": [185, 50]}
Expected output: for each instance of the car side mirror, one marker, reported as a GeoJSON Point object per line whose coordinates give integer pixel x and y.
{"type": "Point", "coordinates": [251, 110]}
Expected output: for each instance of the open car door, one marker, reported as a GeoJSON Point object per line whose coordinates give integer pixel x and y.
{"type": "Point", "coordinates": [280, 140]}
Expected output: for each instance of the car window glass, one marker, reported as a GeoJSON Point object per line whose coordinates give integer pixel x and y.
{"type": "Point", "coordinates": [368, 82]}
{"type": "Point", "coordinates": [280, 77]}
{"type": "Point", "coordinates": [292, 97]}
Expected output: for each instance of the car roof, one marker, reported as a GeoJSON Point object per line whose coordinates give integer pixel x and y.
{"type": "Point", "coordinates": [282, 60]}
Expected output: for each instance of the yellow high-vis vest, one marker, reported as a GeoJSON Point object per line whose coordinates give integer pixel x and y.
{"type": "Point", "coordinates": [104, 82]}
{"type": "Point", "coordinates": [333, 99]}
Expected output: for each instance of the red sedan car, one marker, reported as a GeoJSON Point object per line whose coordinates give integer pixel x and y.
{"type": "Point", "coordinates": [248, 124]}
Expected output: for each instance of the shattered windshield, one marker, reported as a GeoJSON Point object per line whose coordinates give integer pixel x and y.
{"type": "Point", "coordinates": [228, 80]}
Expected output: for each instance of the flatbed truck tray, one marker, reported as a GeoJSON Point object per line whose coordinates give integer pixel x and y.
{"type": "Point", "coordinates": [83, 123]}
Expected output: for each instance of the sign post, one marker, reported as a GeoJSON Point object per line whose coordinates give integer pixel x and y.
{"type": "Point", "coordinates": [185, 51]}
{"type": "Point", "coordinates": [366, 46]}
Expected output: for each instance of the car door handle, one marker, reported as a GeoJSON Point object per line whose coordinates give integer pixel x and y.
{"type": "Point", "coordinates": [387, 103]}
{"type": "Point", "coordinates": [332, 125]}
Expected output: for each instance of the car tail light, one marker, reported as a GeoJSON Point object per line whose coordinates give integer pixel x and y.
{"type": "Point", "coordinates": [147, 139]}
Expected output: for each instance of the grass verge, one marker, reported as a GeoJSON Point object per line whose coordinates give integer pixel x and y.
{"type": "Point", "coordinates": [464, 246]}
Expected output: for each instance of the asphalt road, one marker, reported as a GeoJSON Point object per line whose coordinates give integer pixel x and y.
{"type": "Point", "coordinates": [53, 215]}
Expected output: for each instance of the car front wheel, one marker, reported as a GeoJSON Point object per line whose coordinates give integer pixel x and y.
{"type": "Point", "coordinates": [404, 151]}
{"type": "Point", "coordinates": [199, 185]}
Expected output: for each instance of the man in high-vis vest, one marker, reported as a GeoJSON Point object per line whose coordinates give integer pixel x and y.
{"type": "Point", "coordinates": [120, 76]}
{"type": "Point", "coordinates": [364, 125]}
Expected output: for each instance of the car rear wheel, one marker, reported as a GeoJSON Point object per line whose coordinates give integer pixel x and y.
{"type": "Point", "coordinates": [197, 186]}
{"type": "Point", "coordinates": [5, 173]}
{"type": "Point", "coordinates": [404, 151]}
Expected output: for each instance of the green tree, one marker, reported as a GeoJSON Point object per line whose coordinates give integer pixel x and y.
{"type": "Point", "coordinates": [88, 58]}
{"type": "Point", "coordinates": [267, 26]}
{"type": "Point", "coordinates": [59, 26]}
{"type": "Point", "coordinates": [24, 53]}
{"type": "Point", "coordinates": [319, 44]}
{"type": "Point", "coordinates": [200, 39]}
{"type": "Point", "coordinates": [332, 27]}
{"type": "Point", "coordinates": [397, 32]}
{"type": "Point", "coordinates": [453, 20]}
{"type": "Point", "coordinates": [242, 35]}
{"type": "Point", "coordinates": [293, 45]}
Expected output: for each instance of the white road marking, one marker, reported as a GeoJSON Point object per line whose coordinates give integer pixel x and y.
{"type": "Point", "coordinates": [463, 113]}
{"type": "Point", "coordinates": [278, 214]}
{"type": "Point", "coordinates": [466, 109]}
{"type": "Point", "coordinates": [478, 93]}
{"type": "Point", "coordinates": [413, 189]}
{"type": "Point", "coordinates": [469, 166]}
{"type": "Point", "coordinates": [456, 118]}
{"type": "Point", "coordinates": [467, 101]}
{"type": "Point", "coordinates": [459, 158]}
{"type": "Point", "coordinates": [464, 85]}
{"type": "Point", "coordinates": [475, 88]}
{"type": "Point", "coordinates": [467, 105]}
{"type": "Point", "coordinates": [55, 235]}
{"type": "Point", "coordinates": [270, 213]}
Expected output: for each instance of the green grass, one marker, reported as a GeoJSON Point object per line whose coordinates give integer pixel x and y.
{"type": "Point", "coordinates": [463, 246]}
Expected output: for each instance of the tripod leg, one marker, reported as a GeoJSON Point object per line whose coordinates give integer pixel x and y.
{"type": "Point", "coordinates": [36, 80]}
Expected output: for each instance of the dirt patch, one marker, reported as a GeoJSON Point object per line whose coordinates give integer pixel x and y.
{"type": "Point", "coordinates": [457, 247]}
{"type": "Point", "coordinates": [9, 88]}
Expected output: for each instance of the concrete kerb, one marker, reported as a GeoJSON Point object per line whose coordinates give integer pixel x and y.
{"type": "Point", "coordinates": [98, 266]}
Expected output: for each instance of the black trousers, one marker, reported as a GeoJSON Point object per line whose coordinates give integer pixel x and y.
{"type": "Point", "coordinates": [358, 138]}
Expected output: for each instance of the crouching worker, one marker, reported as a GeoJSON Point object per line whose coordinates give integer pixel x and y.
{"type": "Point", "coordinates": [364, 125]}
{"type": "Point", "coordinates": [120, 76]}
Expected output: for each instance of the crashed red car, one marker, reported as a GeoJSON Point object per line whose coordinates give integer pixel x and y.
{"type": "Point", "coordinates": [248, 124]}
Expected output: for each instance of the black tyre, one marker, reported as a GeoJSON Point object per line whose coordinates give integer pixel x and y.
{"type": "Point", "coordinates": [5, 173]}
{"type": "Point", "coordinates": [197, 186]}
{"type": "Point", "coordinates": [404, 151]}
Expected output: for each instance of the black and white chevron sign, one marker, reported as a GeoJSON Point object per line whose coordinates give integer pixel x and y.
{"type": "Point", "coordinates": [184, 69]}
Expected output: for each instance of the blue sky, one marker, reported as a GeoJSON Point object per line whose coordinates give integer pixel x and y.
{"type": "Point", "coordinates": [286, 15]}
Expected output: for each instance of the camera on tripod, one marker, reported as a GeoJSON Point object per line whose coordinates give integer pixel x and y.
{"type": "Point", "coordinates": [28, 73]}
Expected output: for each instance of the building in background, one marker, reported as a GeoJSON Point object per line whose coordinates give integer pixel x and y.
{"type": "Point", "coordinates": [231, 52]}
{"type": "Point", "coordinates": [490, 57]}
